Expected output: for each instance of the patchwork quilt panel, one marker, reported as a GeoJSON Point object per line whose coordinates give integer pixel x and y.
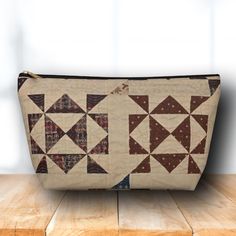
{"type": "Point", "coordinates": [119, 133]}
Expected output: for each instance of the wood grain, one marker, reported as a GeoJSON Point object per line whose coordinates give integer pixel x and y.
{"type": "Point", "coordinates": [150, 213]}
{"type": "Point", "coordinates": [26, 208]}
{"type": "Point", "coordinates": [86, 213]}
{"type": "Point", "coordinates": [207, 210]}
{"type": "Point", "coordinates": [225, 184]}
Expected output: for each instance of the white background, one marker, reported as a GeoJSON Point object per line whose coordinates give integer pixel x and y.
{"type": "Point", "coordinates": [117, 37]}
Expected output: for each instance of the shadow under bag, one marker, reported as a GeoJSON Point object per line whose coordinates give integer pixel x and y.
{"type": "Point", "coordinates": [87, 132]}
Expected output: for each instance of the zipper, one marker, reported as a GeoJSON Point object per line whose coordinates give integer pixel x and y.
{"type": "Point", "coordinates": [41, 76]}
{"type": "Point", "coordinates": [31, 74]}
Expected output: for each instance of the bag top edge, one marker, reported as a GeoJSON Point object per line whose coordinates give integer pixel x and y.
{"type": "Point", "coordinates": [198, 76]}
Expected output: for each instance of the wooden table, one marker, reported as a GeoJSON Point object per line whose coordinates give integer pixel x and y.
{"type": "Point", "coordinates": [27, 209]}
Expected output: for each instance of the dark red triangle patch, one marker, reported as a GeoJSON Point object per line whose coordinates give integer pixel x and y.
{"type": "Point", "coordinates": [200, 148]}
{"type": "Point", "coordinates": [141, 100]}
{"type": "Point", "coordinates": [33, 119]}
{"type": "Point", "coordinates": [169, 106]}
{"type": "Point", "coordinates": [202, 121]}
{"type": "Point", "coordinates": [101, 120]}
{"type": "Point", "coordinates": [78, 133]}
{"type": "Point", "coordinates": [21, 82]}
{"type": "Point", "coordinates": [135, 147]}
{"type": "Point", "coordinates": [169, 161]}
{"type": "Point", "coordinates": [196, 101]}
{"type": "Point", "coordinates": [192, 166]}
{"type": "Point", "coordinates": [135, 120]}
{"type": "Point", "coordinates": [53, 133]}
{"type": "Point", "coordinates": [157, 133]}
{"type": "Point", "coordinates": [101, 147]}
{"type": "Point", "coordinates": [38, 99]}
{"type": "Point", "coordinates": [182, 133]}
{"type": "Point", "coordinates": [213, 85]}
{"type": "Point", "coordinates": [35, 149]}
{"type": "Point", "coordinates": [65, 105]}
{"type": "Point", "coordinates": [42, 166]}
{"type": "Point", "coordinates": [94, 168]}
{"type": "Point", "coordinates": [66, 161]}
{"type": "Point", "coordinates": [93, 100]}
{"type": "Point", "coordinates": [143, 167]}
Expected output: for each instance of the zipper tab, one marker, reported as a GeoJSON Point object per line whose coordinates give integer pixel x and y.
{"type": "Point", "coordinates": [34, 76]}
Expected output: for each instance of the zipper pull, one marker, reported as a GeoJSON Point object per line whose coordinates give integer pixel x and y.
{"type": "Point", "coordinates": [34, 76]}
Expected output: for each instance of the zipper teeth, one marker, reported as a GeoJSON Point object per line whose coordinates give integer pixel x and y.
{"type": "Point", "coordinates": [38, 76]}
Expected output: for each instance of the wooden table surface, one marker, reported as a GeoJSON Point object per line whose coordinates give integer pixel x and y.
{"type": "Point", "coordinates": [26, 209]}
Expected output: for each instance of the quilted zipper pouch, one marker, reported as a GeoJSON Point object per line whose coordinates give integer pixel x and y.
{"type": "Point", "coordinates": [119, 133]}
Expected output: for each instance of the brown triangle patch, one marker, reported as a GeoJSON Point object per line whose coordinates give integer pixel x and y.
{"type": "Point", "coordinates": [121, 89]}
{"type": "Point", "coordinates": [135, 147]}
{"type": "Point", "coordinates": [196, 101]}
{"type": "Point", "coordinates": [53, 133]}
{"type": "Point", "coordinates": [169, 161]}
{"type": "Point", "coordinates": [21, 81]}
{"type": "Point", "coordinates": [143, 167]}
{"type": "Point", "coordinates": [182, 133]}
{"type": "Point", "coordinates": [42, 166]}
{"type": "Point", "coordinates": [35, 149]}
{"type": "Point", "coordinates": [78, 133]}
{"type": "Point", "coordinates": [169, 106]}
{"type": "Point", "coordinates": [192, 166]}
{"type": "Point", "coordinates": [93, 100]}
{"type": "Point", "coordinates": [101, 147]}
{"type": "Point", "coordinates": [66, 161]}
{"type": "Point", "coordinates": [202, 120]}
{"type": "Point", "coordinates": [135, 120]}
{"type": "Point", "coordinates": [101, 120]}
{"type": "Point", "coordinates": [94, 168]}
{"type": "Point", "coordinates": [38, 99]}
{"type": "Point", "coordinates": [65, 105]}
{"type": "Point", "coordinates": [200, 148]}
{"type": "Point", "coordinates": [33, 119]}
{"type": "Point", "coordinates": [141, 100]}
{"type": "Point", "coordinates": [157, 133]}
{"type": "Point", "coordinates": [213, 85]}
